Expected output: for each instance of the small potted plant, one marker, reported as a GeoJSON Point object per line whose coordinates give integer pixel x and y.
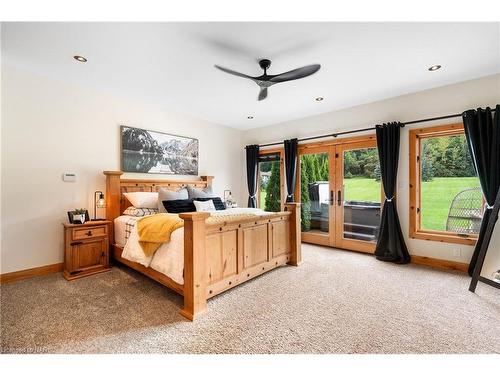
{"type": "Point", "coordinates": [79, 215]}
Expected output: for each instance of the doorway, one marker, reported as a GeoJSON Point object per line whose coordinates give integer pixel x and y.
{"type": "Point", "coordinates": [340, 189]}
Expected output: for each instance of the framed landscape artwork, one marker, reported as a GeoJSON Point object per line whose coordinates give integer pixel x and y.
{"type": "Point", "coordinates": [146, 151]}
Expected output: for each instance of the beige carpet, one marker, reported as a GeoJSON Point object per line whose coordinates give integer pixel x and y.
{"type": "Point", "coordinates": [335, 302]}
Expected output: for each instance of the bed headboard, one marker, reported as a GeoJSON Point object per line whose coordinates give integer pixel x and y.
{"type": "Point", "coordinates": [116, 202]}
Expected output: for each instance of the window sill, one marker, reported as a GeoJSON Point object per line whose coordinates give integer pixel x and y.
{"type": "Point", "coordinates": [443, 237]}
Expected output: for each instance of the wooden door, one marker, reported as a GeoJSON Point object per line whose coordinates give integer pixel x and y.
{"type": "Point", "coordinates": [315, 191]}
{"type": "Point", "coordinates": [358, 196]}
{"type": "Point", "coordinates": [342, 205]}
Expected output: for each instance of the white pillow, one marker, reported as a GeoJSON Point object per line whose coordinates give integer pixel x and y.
{"type": "Point", "coordinates": [142, 199]}
{"type": "Point", "coordinates": [204, 206]}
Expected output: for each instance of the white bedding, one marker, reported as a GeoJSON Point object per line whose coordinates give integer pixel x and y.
{"type": "Point", "coordinates": [121, 229]}
{"type": "Point", "coordinates": [169, 258]}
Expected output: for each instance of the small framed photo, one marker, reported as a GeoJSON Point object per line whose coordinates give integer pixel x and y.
{"type": "Point", "coordinates": [78, 217]}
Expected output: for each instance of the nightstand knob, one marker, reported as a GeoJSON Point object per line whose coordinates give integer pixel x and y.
{"type": "Point", "coordinates": [89, 233]}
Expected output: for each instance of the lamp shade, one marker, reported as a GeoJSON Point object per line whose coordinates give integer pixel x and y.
{"type": "Point", "coordinates": [101, 203]}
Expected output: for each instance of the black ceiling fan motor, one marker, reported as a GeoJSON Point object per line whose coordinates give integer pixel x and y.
{"type": "Point", "coordinates": [265, 64]}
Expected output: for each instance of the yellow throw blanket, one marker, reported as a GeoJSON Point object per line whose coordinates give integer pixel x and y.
{"type": "Point", "coordinates": [155, 230]}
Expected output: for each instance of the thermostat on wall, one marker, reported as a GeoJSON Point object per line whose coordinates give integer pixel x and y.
{"type": "Point", "coordinates": [69, 177]}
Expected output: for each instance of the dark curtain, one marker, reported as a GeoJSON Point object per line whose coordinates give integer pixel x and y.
{"type": "Point", "coordinates": [482, 131]}
{"type": "Point", "coordinates": [290, 146]}
{"type": "Point", "coordinates": [391, 246]}
{"type": "Point", "coordinates": [252, 172]}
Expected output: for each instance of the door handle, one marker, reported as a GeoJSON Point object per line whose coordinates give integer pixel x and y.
{"type": "Point", "coordinates": [339, 198]}
{"type": "Point", "coordinates": [331, 197]}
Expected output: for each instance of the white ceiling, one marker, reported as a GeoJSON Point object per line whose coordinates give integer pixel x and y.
{"type": "Point", "coordinates": [171, 64]}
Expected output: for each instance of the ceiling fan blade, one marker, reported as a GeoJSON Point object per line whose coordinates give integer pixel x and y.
{"type": "Point", "coordinates": [296, 73]}
{"type": "Point", "coordinates": [262, 93]}
{"type": "Point", "coordinates": [233, 72]}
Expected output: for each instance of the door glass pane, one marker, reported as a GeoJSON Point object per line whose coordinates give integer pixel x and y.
{"type": "Point", "coordinates": [362, 194]}
{"type": "Point", "coordinates": [451, 197]}
{"type": "Point", "coordinates": [315, 193]}
{"type": "Point", "coordinates": [269, 198]}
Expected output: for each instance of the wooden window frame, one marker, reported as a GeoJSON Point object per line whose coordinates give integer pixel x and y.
{"type": "Point", "coordinates": [281, 152]}
{"type": "Point", "coordinates": [415, 231]}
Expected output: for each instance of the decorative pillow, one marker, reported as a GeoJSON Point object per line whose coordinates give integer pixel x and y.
{"type": "Point", "coordinates": [170, 195]}
{"type": "Point", "coordinates": [178, 206]}
{"type": "Point", "coordinates": [132, 211]}
{"type": "Point", "coordinates": [219, 205]}
{"type": "Point", "coordinates": [141, 199]}
{"type": "Point", "coordinates": [200, 193]}
{"type": "Point", "coordinates": [201, 206]}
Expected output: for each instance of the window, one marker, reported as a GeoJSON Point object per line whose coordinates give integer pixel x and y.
{"type": "Point", "coordinates": [270, 182]}
{"type": "Point", "coordinates": [362, 194]}
{"type": "Point", "coordinates": [315, 192]}
{"type": "Point", "coordinates": [446, 202]}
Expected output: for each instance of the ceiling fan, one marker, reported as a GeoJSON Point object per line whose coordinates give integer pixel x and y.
{"type": "Point", "coordinates": [264, 81]}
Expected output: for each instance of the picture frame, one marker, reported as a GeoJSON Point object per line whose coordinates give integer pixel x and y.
{"type": "Point", "coordinates": [155, 152]}
{"type": "Point", "coordinates": [72, 220]}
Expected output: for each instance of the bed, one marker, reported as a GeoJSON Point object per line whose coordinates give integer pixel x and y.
{"type": "Point", "coordinates": [215, 254]}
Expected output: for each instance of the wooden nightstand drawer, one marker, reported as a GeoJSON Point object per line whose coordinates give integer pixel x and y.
{"type": "Point", "coordinates": [90, 232]}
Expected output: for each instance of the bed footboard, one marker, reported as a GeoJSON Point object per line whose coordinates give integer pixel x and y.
{"type": "Point", "coordinates": [220, 256]}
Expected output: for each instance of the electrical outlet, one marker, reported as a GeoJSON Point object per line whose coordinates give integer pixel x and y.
{"type": "Point", "coordinates": [457, 253]}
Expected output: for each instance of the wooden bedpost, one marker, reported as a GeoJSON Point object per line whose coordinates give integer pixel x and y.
{"type": "Point", "coordinates": [295, 233]}
{"type": "Point", "coordinates": [195, 278]}
{"type": "Point", "coordinates": [208, 179]}
{"type": "Point", "coordinates": [113, 196]}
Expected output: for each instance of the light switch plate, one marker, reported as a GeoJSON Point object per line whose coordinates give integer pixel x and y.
{"type": "Point", "coordinates": [69, 177]}
{"type": "Point", "coordinates": [457, 253]}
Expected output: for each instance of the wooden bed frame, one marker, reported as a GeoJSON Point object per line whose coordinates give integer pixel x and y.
{"type": "Point", "coordinates": [217, 257]}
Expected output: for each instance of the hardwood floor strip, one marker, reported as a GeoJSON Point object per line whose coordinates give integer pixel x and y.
{"type": "Point", "coordinates": [439, 263]}
{"type": "Point", "coordinates": [29, 273]}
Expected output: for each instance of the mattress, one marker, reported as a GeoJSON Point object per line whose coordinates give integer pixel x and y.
{"type": "Point", "coordinates": [169, 258]}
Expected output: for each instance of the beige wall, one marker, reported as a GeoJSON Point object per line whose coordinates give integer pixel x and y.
{"type": "Point", "coordinates": [48, 128]}
{"type": "Point", "coordinates": [430, 103]}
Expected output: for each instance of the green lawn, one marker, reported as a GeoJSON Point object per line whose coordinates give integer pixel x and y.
{"type": "Point", "coordinates": [263, 194]}
{"type": "Point", "coordinates": [362, 189]}
{"type": "Point", "coordinates": [437, 196]}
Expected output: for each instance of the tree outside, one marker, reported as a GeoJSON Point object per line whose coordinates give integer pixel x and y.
{"type": "Point", "coordinates": [272, 201]}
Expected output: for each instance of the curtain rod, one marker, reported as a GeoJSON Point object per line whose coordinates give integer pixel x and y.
{"type": "Point", "coordinates": [335, 135]}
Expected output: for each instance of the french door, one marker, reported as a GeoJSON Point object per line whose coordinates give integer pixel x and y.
{"type": "Point", "coordinates": [341, 193]}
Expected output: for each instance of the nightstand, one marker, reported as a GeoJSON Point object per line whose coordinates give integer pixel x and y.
{"type": "Point", "coordinates": [86, 249]}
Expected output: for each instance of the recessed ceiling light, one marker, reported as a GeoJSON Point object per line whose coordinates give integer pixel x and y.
{"type": "Point", "coordinates": [319, 98]}
{"type": "Point", "coordinates": [434, 68]}
{"type": "Point", "coordinates": [249, 117]}
{"type": "Point", "coordinates": [80, 58]}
